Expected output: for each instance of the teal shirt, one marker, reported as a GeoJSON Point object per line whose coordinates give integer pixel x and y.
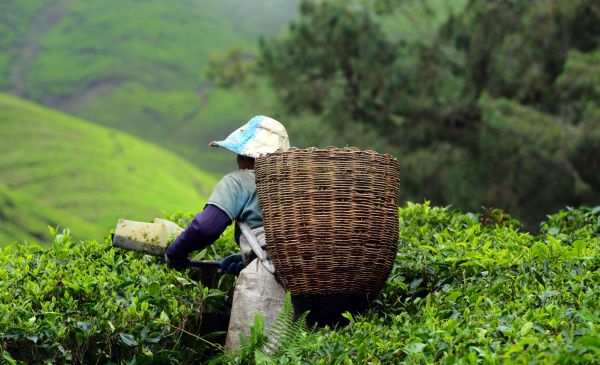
{"type": "Point", "coordinates": [236, 195]}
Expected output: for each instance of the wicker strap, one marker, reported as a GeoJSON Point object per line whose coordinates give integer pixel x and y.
{"type": "Point", "coordinates": [258, 251]}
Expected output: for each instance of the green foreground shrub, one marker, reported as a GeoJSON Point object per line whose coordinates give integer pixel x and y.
{"type": "Point", "coordinates": [87, 302]}
{"type": "Point", "coordinates": [466, 289]}
{"type": "Point", "coordinates": [468, 293]}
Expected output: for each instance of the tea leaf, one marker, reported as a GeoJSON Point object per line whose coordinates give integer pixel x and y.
{"type": "Point", "coordinates": [128, 339]}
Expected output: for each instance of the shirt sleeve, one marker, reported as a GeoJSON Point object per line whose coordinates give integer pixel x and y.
{"type": "Point", "coordinates": [204, 229]}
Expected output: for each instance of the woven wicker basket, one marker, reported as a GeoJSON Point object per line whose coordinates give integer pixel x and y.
{"type": "Point", "coordinates": [330, 218]}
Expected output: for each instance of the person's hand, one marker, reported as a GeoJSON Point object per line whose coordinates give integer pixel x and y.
{"type": "Point", "coordinates": [232, 264]}
{"type": "Point", "coordinates": [176, 264]}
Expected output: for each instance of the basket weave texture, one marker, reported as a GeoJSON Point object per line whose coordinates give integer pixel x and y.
{"type": "Point", "coordinates": [330, 218]}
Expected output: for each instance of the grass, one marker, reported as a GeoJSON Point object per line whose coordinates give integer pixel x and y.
{"type": "Point", "coordinates": [25, 219]}
{"type": "Point", "coordinates": [176, 121]}
{"type": "Point", "coordinates": [17, 18]}
{"type": "Point", "coordinates": [138, 67]}
{"type": "Point", "coordinates": [56, 169]}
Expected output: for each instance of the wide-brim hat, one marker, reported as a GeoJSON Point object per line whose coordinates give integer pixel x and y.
{"type": "Point", "coordinates": [260, 136]}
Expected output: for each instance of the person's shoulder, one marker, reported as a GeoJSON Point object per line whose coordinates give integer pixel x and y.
{"type": "Point", "coordinates": [238, 173]}
{"type": "Point", "coordinates": [241, 177]}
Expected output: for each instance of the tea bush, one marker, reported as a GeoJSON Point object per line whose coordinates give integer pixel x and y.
{"type": "Point", "coordinates": [466, 288]}
{"type": "Point", "coordinates": [573, 223]}
{"type": "Point", "coordinates": [87, 302]}
{"type": "Point", "coordinates": [466, 292]}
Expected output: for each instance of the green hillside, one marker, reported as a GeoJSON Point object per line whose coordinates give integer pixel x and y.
{"type": "Point", "coordinates": [60, 170]}
{"type": "Point", "coordinates": [23, 218]}
{"type": "Point", "coordinates": [138, 66]}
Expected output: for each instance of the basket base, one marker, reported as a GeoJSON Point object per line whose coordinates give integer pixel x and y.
{"type": "Point", "coordinates": [327, 309]}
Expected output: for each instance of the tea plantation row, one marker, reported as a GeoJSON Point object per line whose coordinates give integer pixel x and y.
{"type": "Point", "coordinates": [87, 302]}
{"type": "Point", "coordinates": [466, 288]}
{"type": "Point", "coordinates": [467, 293]}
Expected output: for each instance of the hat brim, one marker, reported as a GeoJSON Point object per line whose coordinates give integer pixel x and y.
{"type": "Point", "coordinates": [225, 145]}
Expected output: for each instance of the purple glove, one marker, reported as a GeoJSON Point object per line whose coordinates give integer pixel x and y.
{"type": "Point", "coordinates": [176, 264]}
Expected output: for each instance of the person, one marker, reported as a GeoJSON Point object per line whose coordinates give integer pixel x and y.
{"type": "Point", "coordinates": [235, 199]}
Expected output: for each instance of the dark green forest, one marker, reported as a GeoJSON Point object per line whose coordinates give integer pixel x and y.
{"type": "Point", "coordinates": [500, 108]}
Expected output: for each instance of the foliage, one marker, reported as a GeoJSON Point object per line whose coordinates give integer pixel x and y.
{"type": "Point", "coordinates": [431, 81]}
{"type": "Point", "coordinates": [87, 302]}
{"type": "Point", "coordinates": [415, 20]}
{"type": "Point", "coordinates": [574, 223]}
{"type": "Point", "coordinates": [486, 112]}
{"type": "Point", "coordinates": [229, 69]}
{"type": "Point", "coordinates": [59, 169]}
{"type": "Point", "coordinates": [464, 292]}
{"type": "Point", "coordinates": [465, 288]}
{"type": "Point", "coordinates": [334, 54]}
{"type": "Point", "coordinates": [282, 343]}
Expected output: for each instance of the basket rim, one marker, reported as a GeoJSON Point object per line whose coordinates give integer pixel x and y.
{"type": "Point", "coordinates": [346, 149]}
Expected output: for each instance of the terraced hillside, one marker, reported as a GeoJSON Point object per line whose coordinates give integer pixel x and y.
{"type": "Point", "coordinates": [60, 170]}
{"type": "Point", "coordinates": [135, 66]}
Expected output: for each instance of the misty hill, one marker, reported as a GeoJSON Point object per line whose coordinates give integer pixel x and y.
{"type": "Point", "coordinates": [137, 66]}
{"type": "Point", "coordinates": [60, 170]}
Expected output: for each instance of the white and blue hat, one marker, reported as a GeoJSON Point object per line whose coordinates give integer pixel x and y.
{"type": "Point", "coordinates": [261, 135]}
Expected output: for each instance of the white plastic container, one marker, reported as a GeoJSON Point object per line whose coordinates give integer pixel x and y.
{"type": "Point", "coordinates": [151, 238]}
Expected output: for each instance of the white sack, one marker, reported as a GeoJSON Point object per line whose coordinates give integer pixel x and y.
{"type": "Point", "coordinates": [256, 291]}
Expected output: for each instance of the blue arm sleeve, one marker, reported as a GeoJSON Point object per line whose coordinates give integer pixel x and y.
{"type": "Point", "coordinates": [206, 227]}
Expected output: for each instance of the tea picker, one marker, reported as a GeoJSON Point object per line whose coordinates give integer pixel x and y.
{"type": "Point", "coordinates": [234, 199]}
